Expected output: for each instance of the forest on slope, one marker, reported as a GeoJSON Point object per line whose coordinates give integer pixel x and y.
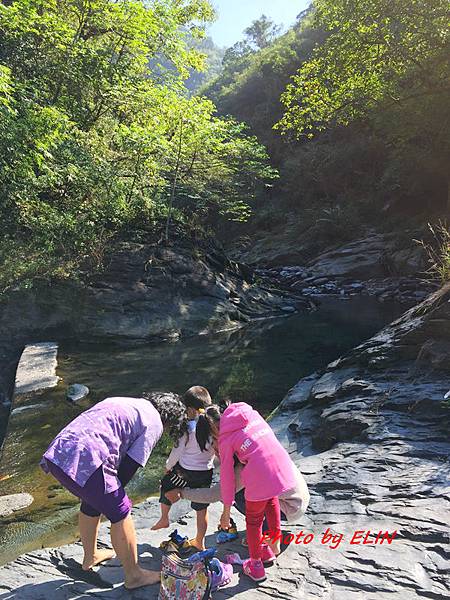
{"type": "Point", "coordinates": [353, 104]}
{"type": "Point", "coordinates": [99, 137]}
{"type": "Point", "coordinates": [337, 125]}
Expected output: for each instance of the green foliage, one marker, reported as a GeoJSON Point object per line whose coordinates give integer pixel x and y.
{"type": "Point", "coordinates": [251, 82]}
{"type": "Point", "coordinates": [262, 32]}
{"type": "Point", "coordinates": [98, 136]}
{"type": "Point", "coordinates": [375, 51]}
{"type": "Point", "coordinates": [384, 71]}
{"type": "Point", "coordinates": [364, 109]}
{"type": "Point", "coordinates": [438, 252]}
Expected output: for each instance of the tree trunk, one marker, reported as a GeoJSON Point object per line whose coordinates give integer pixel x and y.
{"type": "Point", "coordinates": [175, 181]}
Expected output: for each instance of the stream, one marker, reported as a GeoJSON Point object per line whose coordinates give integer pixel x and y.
{"type": "Point", "coordinates": [257, 364]}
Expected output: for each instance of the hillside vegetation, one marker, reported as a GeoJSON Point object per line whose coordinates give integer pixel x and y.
{"type": "Point", "coordinates": [353, 103]}
{"type": "Point", "coordinates": [99, 136]}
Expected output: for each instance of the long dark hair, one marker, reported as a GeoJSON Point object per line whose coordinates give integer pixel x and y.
{"type": "Point", "coordinates": [208, 422]}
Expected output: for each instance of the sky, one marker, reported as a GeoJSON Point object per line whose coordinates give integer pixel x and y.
{"type": "Point", "coordinates": [236, 15]}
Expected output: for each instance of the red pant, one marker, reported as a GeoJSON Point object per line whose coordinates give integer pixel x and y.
{"type": "Point", "coordinates": [254, 516]}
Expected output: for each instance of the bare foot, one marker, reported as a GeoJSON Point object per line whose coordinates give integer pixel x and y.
{"type": "Point", "coordinates": [196, 544]}
{"type": "Point", "coordinates": [161, 524]}
{"type": "Point", "coordinates": [142, 579]}
{"type": "Point", "coordinates": [100, 556]}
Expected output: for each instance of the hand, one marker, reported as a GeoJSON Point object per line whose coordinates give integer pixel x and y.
{"type": "Point", "coordinates": [225, 521]}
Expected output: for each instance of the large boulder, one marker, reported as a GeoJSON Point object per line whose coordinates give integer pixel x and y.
{"type": "Point", "coordinates": [360, 259]}
{"type": "Point", "coordinates": [146, 291]}
{"type": "Point", "coordinates": [422, 335]}
{"type": "Point", "coordinates": [373, 256]}
{"type": "Point", "coordinates": [373, 444]}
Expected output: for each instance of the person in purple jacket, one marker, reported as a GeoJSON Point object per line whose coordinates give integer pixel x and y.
{"type": "Point", "coordinates": [97, 454]}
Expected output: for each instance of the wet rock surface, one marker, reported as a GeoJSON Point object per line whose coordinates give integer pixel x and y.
{"type": "Point", "coordinates": [373, 265]}
{"type": "Point", "coordinates": [36, 370]}
{"type": "Point", "coordinates": [77, 392]}
{"type": "Point", "coordinates": [408, 290]}
{"type": "Point", "coordinates": [14, 502]}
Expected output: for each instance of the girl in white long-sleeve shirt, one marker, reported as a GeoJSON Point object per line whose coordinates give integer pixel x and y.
{"type": "Point", "coordinates": [191, 462]}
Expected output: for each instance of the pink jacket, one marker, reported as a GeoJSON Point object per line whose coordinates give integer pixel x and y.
{"type": "Point", "coordinates": [268, 470]}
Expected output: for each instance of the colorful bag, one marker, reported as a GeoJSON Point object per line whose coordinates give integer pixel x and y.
{"type": "Point", "coordinates": [184, 580]}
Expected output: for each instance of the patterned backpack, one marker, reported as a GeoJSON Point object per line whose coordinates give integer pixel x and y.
{"type": "Point", "coordinates": [184, 579]}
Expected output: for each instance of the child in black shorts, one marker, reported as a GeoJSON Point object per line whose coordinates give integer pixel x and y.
{"type": "Point", "coordinates": [190, 463]}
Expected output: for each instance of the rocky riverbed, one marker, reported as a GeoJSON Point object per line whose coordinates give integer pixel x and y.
{"type": "Point", "coordinates": [371, 435]}
{"type": "Point", "coordinates": [370, 266]}
{"type": "Point", "coordinates": [147, 292]}
{"type": "Point", "coordinates": [407, 290]}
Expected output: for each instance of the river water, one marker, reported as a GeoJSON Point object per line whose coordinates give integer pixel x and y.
{"type": "Point", "coordinates": [257, 364]}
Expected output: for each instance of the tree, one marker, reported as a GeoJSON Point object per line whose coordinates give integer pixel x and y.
{"type": "Point", "coordinates": [262, 32]}
{"type": "Point", "coordinates": [391, 51]}
{"type": "Point", "coordinates": [252, 82]}
{"type": "Point", "coordinates": [385, 63]}
{"type": "Point", "coordinates": [97, 137]}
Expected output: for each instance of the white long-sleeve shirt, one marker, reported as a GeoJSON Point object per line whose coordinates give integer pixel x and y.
{"type": "Point", "coordinates": [189, 454]}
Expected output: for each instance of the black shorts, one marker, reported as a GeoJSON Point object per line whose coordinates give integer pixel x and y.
{"type": "Point", "coordinates": [179, 477]}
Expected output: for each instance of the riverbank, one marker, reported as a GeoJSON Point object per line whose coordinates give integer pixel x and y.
{"type": "Point", "coordinates": [370, 434]}
{"type": "Point", "coordinates": [258, 364]}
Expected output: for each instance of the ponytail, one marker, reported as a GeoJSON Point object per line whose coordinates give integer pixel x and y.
{"type": "Point", "coordinates": [206, 425]}
{"type": "Point", "coordinates": [203, 432]}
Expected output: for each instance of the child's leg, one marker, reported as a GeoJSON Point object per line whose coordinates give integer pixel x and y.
{"type": "Point", "coordinates": [273, 518]}
{"type": "Point", "coordinates": [89, 517]}
{"type": "Point", "coordinates": [254, 515]}
{"type": "Point", "coordinates": [196, 480]}
{"type": "Point", "coordinates": [163, 522]}
{"type": "Point", "coordinates": [164, 503]}
{"type": "Point", "coordinates": [202, 526]}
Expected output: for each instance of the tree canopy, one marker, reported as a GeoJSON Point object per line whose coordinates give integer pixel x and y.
{"type": "Point", "coordinates": [98, 134]}
{"type": "Point", "coordinates": [262, 32]}
{"type": "Point", "coordinates": [361, 91]}
{"type": "Point", "coordinates": [378, 50]}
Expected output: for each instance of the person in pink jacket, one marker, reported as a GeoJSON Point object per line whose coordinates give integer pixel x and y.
{"type": "Point", "coordinates": [268, 472]}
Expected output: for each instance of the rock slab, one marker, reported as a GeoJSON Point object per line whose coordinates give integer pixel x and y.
{"type": "Point", "coordinates": [374, 447]}
{"type": "Point", "coordinates": [36, 370]}
{"type": "Point", "coordinates": [14, 502]}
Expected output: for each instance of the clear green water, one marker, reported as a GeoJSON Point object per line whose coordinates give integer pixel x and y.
{"type": "Point", "coordinates": [257, 364]}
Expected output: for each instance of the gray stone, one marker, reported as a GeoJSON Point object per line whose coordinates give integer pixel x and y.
{"type": "Point", "coordinates": [147, 292]}
{"type": "Point", "coordinates": [36, 370]}
{"type": "Point", "coordinates": [77, 392]}
{"type": "Point", "coordinates": [327, 385]}
{"type": "Point", "coordinates": [26, 407]}
{"type": "Point", "coordinates": [288, 309]}
{"type": "Point", "coordinates": [14, 502]}
{"type": "Point", "coordinates": [374, 256]}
